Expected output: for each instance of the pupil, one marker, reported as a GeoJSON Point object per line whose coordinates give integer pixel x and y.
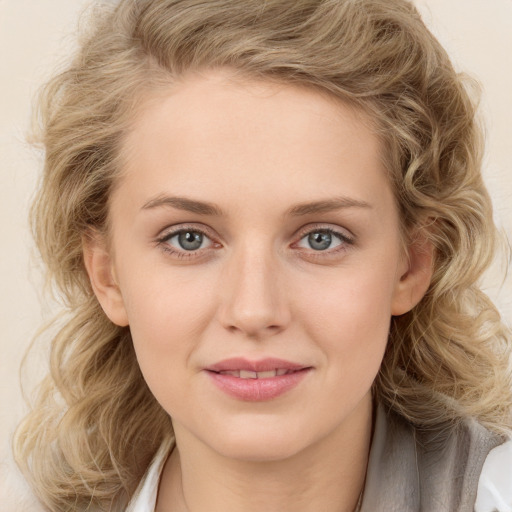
{"type": "Point", "coordinates": [320, 241]}
{"type": "Point", "coordinates": [190, 240]}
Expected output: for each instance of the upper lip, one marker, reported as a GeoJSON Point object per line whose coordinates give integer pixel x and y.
{"type": "Point", "coordinates": [261, 365]}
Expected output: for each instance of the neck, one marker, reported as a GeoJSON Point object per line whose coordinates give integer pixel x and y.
{"type": "Point", "coordinates": [327, 476]}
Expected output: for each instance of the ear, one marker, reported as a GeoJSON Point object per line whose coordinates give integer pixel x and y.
{"type": "Point", "coordinates": [99, 265]}
{"type": "Point", "coordinates": [415, 273]}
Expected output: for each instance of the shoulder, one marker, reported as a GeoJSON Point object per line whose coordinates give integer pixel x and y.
{"type": "Point", "coordinates": [453, 448]}
{"type": "Point", "coordinates": [478, 459]}
{"type": "Point", "coordinates": [457, 461]}
{"type": "Point", "coordinates": [433, 470]}
{"type": "Point", "coordinates": [495, 484]}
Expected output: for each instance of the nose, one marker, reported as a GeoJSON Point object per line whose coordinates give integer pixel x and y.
{"type": "Point", "coordinates": [253, 298]}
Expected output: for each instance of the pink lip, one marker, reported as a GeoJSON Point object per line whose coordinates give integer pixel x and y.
{"type": "Point", "coordinates": [256, 390]}
{"type": "Point", "coordinates": [262, 365]}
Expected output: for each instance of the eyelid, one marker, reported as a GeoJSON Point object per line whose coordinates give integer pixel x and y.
{"type": "Point", "coordinates": [346, 237]}
{"type": "Point", "coordinates": [171, 231]}
{"type": "Point", "coordinates": [343, 233]}
{"type": "Point", "coordinates": [347, 242]}
{"type": "Point", "coordinates": [185, 226]}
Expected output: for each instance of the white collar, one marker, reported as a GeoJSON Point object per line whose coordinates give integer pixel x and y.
{"type": "Point", "coordinates": [144, 499]}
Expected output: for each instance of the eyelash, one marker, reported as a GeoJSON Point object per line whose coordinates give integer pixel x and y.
{"type": "Point", "coordinates": [183, 254]}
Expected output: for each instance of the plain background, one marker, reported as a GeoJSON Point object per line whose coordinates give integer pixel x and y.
{"type": "Point", "coordinates": [35, 36]}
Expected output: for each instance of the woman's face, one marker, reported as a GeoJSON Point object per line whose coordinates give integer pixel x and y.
{"type": "Point", "coordinates": [255, 254]}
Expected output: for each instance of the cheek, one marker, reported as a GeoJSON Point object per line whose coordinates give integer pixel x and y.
{"type": "Point", "coordinates": [350, 316]}
{"type": "Point", "coordinates": [164, 306]}
{"type": "Point", "coordinates": [167, 317]}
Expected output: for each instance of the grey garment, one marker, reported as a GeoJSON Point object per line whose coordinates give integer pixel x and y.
{"type": "Point", "coordinates": [412, 471]}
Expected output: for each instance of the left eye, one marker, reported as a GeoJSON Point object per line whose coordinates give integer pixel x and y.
{"type": "Point", "coordinates": [188, 240]}
{"type": "Point", "coordinates": [321, 240]}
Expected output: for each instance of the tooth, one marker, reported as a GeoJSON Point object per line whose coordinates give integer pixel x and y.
{"type": "Point", "coordinates": [245, 374]}
{"type": "Point", "coordinates": [266, 375]}
{"type": "Point", "coordinates": [235, 373]}
{"type": "Point", "coordinates": [281, 371]}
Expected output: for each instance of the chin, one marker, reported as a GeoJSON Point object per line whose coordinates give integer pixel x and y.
{"type": "Point", "coordinates": [263, 451]}
{"type": "Point", "coordinates": [260, 442]}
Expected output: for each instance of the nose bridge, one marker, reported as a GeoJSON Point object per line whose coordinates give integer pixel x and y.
{"type": "Point", "coordinates": [253, 299]}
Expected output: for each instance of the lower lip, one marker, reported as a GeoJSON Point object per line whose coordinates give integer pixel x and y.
{"type": "Point", "coordinates": [257, 390]}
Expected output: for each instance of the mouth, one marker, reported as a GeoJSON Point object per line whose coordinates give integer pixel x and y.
{"type": "Point", "coordinates": [261, 368]}
{"type": "Point", "coordinates": [257, 381]}
{"type": "Point", "coordinates": [247, 374]}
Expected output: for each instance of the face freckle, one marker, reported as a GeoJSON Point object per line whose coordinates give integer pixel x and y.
{"type": "Point", "coordinates": [255, 222]}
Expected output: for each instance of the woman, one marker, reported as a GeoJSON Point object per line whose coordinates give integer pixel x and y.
{"type": "Point", "coordinates": [267, 220]}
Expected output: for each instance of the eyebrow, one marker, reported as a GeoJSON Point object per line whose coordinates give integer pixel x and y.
{"type": "Point", "coordinates": [184, 203]}
{"type": "Point", "coordinates": [206, 208]}
{"type": "Point", "coordinates": [326, 205]}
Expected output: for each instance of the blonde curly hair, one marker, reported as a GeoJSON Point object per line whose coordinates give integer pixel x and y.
{"type": "Point", "coordinates": [95, 425]}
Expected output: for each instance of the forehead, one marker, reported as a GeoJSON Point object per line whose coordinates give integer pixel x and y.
{"type": "Point", "coordinates": [211, 133]}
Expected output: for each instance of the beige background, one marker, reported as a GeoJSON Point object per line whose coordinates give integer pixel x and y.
{"type": "Point", "coordinates": [36, 34]}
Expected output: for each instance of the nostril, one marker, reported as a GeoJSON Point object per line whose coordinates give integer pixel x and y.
{"type": "Point", "coordinates": [253, 314]}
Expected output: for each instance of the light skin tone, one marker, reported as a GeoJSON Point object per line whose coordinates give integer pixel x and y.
{"type": "Point", "coordinates": [298, 256]}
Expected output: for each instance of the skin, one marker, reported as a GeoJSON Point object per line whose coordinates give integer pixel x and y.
{"type": "Point", "coordinates": [256, 287]}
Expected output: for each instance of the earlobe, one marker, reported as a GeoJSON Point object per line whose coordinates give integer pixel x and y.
{"type": "Point", "coordinates": [99, 266]}
{"type": "Point", "coordinates": [415, 276]}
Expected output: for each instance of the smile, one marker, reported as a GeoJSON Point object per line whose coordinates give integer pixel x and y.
{"type": "Point", "coordinates": [247, 374]}
{"type": "Point", "coordinates": [256, 381]}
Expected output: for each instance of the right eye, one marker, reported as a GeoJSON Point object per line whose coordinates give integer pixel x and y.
{"type": "Point", "coordinates": [188, 240]}
{"type": "Point", "coordinates": [185, 242]}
